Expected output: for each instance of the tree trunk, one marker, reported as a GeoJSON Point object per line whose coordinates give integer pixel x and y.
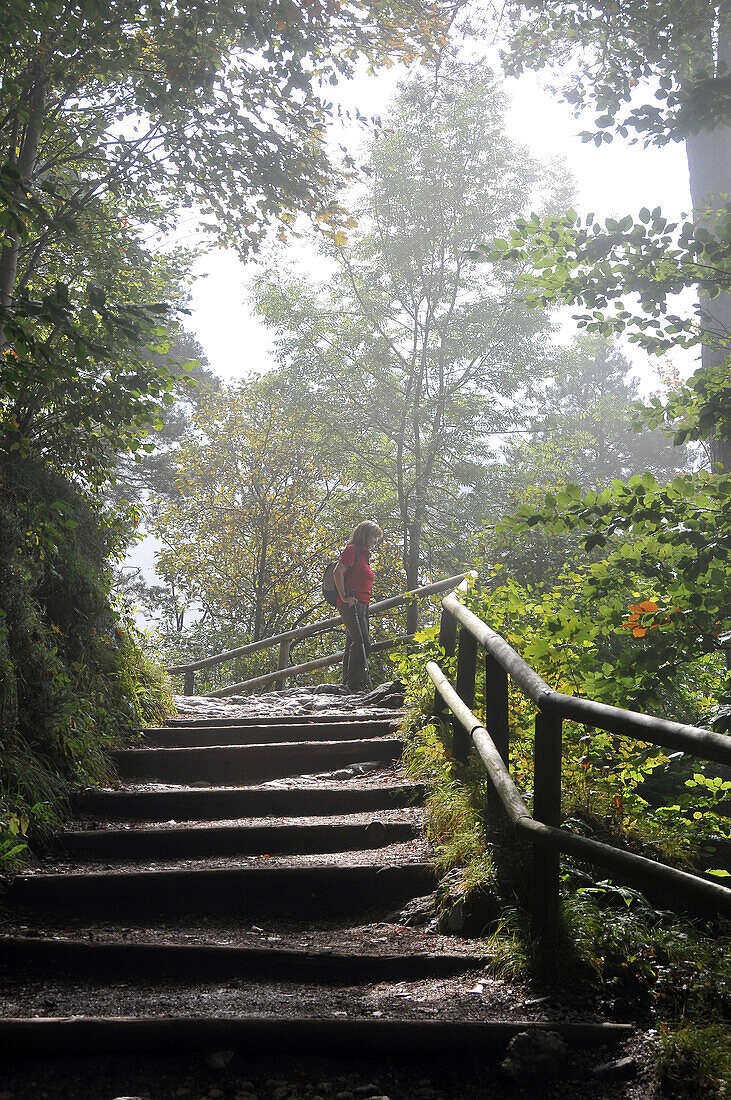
{"type": "Point", "coordinates": [26, 163]}
{"type": "Point", "coordinates": [412, 572]}
{"type": "Point", "coordinates": [259, 595]}
{"type": "Point", "coordinates": [709, 167]}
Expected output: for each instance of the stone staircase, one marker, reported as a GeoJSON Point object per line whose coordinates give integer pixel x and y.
{"type": "Point", "coordinates": [245, 885]}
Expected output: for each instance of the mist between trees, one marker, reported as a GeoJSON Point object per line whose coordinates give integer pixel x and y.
{"type": "Point", "coordinates": [414, 386]}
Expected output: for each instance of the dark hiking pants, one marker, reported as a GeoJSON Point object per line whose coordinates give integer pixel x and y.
{"type": "Point", "coordinates": [357, 644]}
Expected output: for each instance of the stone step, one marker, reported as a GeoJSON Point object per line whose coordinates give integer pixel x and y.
{"type": "Point", "coordinates": [208, 962]}
{"type": "Point", "coordinates": [229, 765]}
{"type": "Point", "coordinates": [264, 734]}
{"type": "Point", "coordinates": [272, 1035]}
{"type": "Point", "coordinates": [196, 841]}
{"type": "Point", "coordinates": [352, 718]}
{"type": "Point", "coordinates": [299, 891]}
{"type": "Point", "coordinates": [225, 802]}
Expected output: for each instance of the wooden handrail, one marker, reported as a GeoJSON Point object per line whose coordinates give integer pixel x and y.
{"type": "Point", "coordinates": [711, 894]}
{"type": "Point", "coordinates": [543, 827]}
{"type": "Point", "coordinates": [296, 670]}
{"type": "Point", "coordinates": [288, 636]}
{"type": "Point", "coordinates": [643, 727]}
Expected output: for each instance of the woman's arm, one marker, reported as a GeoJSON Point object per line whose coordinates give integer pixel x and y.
{"type": "Point", "coordinates": [339, 577]}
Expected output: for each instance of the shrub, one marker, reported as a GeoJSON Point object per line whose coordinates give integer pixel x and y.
{"type": "Point", "coordinates": [75, 678]}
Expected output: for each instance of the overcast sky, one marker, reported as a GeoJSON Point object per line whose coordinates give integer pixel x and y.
{"type": "Point", "coordinates": [614, 179]}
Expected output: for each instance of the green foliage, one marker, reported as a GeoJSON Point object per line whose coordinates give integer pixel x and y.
{"type": "Point", "coordinates": [652, 70]}
{"type": "Point", "coordinates": [662, 583]}
{"type": "Point", "coordinates": [695, 409]}
{"type": "Point", "coordinates": [260, 506]}
{"type": "Point", "coordinates": [113, 120]}
{"type": "Point", "coordinates": [84, 371]}
{"type": "Point", "coordinates": [452, 824]}
{"type": "Point", "coordinates": [625, 273]}
{"type": "Point", "coordinates": [695, 1060]}
{"type": "Point", "coordinates": [579, 434]}
{"type": "Point", "coordinates": [223, 105]}
{"type": "Point", "coordinates": [74, 676]}
{"type": "Point", "coordinates": [629, 272]}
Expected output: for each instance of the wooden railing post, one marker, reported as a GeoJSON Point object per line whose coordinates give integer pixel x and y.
{"type": "Point", "coordinates": [496, 724]}
{"type": "Point", "coordinates": [189, 682]}
{"type": "Point", "coordinates": [466, 672]}
{"type": "Point", "coordinates": [546, 808]}
{"type": "Point", "coordinates": [284, 648]}
{"type": "Point", "coordinates": [496, 707]}
{"type": "Point", "coordinates": [448, 641]}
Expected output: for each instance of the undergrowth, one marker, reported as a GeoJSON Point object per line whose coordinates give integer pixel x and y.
{"type": "Point", "coordinates": [75, 678]}
{"type": "Point", "coordinates": [639, 961]}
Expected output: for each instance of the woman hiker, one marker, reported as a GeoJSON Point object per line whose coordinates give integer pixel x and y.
{"type": "Point", "coordinates": [353, 578]}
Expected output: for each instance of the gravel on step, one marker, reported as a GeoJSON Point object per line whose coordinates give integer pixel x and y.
{"type": "Point", "coordinates": [382, 937]}
{"type": "Point", "coordinates": [412, 851]}
{"type": "Point", "coordinates": [466, 997]}
{"type": "Point", "coordinates": [412, 814]}
{"type": "Point", "coordinates": [364, 781]}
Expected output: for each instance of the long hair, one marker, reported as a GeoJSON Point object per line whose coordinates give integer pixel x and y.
{"type": "Point", "coordinates": [363, 532]}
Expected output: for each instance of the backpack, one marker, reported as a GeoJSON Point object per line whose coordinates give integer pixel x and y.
{"type": "Point", "coordinates": [329, 591]}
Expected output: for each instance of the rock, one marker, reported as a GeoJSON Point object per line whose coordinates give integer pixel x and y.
{"type": "Point", "coordinates": [353, 770]}
{"type": "Point", "coordinates": [216, 1093]}
{"type": "Point", "coordinates": [535, 1054]}
{"type": "Point", "coordinates": [366, 1091]}
{"type": "Point", "coordinates": [417, 912]}
{"type": "Point", "coordinates": [367, 766]}
{"type": "Point", "coordinates": [394, 692]}
{"type": "Point", "coordinates": [618, 1070]}
{"type": "Point", "coordinates": [453, 919]}
{"type": "Point", "coordinates": [218, 1059]}
{"type": "Point", "coordinates": [464, 914]}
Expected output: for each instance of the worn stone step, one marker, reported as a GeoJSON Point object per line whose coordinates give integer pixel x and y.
{"type": "Point", "coordinates": [196, 841]}
{"type": "Point", "coordinates": [264, 733]}
{"type": "Point", "coordinates": [222, 802]}
{"type": "Point", "coordinates": [301, 890]}
{"type": "Point", "coordinates": [271, 1035]}
{"type": "Point", "coordinates": [353, 718]}
{"type": "Point", "coordinates": [249, 763]}
{"type": "Point", "coordinates": [186, 962]}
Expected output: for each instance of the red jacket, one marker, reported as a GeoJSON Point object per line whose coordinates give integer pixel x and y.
{"type": "Point", "coordinates": [359, 575]}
